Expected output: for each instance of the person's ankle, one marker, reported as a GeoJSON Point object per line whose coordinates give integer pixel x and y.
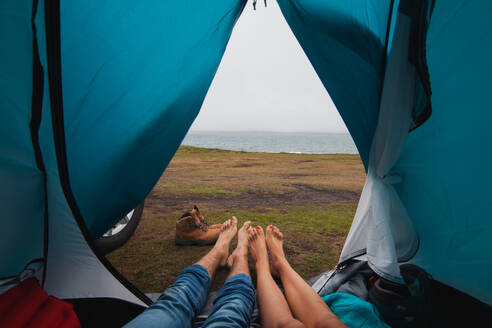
{"type": "Point", "coordinates": [221, 244]}
{"type": "Point", "coordinates": [241, 249]}
{"type": "Point", "coordinates": [262, 264]}
{"type": "Point", "coordinates": [242, 255]}
{"type": "Point", "coordinates": [279, 264]}
{"type": "Point", "coordinates": [239, 254]}
{"type": "Point", "coordinates": [220, 253]}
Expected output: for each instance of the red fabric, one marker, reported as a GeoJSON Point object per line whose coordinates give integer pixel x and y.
{"type": "Point", "coordinates": [14, 295]}
{"type": "Point", "coordinates": [70, 320]}
{"type": "Point", "coordinates": [28, 305]}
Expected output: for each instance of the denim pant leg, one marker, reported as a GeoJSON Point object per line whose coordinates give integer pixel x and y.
{"type": "Point", "coordinates": [233, 304]}
{"type": "Point", "coordinates": [179, 303]}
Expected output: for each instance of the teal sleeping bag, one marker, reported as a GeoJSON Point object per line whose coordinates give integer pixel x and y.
{"type": "Point", "coordinates": [353, 311]}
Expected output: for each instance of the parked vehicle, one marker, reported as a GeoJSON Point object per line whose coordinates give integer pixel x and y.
{"type": "Point", "coordinates": [122, 231]}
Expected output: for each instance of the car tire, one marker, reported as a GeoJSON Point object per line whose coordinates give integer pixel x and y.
{"type": "Point", "coordinates": [109, 242]}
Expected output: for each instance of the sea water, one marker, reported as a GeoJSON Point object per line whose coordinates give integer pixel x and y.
{"type": "Point", "coordinates": [274, 142]}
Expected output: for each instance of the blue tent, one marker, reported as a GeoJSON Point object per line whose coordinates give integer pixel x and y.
{"type": "Point", "coordinates": [96, 97]}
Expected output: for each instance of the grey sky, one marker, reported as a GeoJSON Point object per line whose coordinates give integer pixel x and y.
{"type": "Point", "coordinates": [265, 81]}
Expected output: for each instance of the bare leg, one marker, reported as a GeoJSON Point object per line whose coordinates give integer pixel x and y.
{"type": "Point", "coordinates": [220, 252]}
{"type": "Point", "coordinates": [305, 304]}
{"type": "Point", "coordinates": [238, 260]}
{"type": "Point", "coordinates": [234, 302]}
{"type": "Point", "coordinates": [274, 309]}
{"type": "Point", "coordinates": [181, 301]}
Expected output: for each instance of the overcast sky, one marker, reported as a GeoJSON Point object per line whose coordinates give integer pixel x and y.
{"type": "Point", "coordinates": [265, 81]}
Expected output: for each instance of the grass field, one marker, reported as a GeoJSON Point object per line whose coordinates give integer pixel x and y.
{"type": "Point", "coordinates": [312, 198]}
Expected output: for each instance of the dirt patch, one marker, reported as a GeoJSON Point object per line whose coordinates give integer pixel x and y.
{"type": "Point", "coordinates": [249, 199]}
{"type": "Point", "coordinates": [295, 175]}
{"type": "Point", "coordinates": [247, 165]}
{"type": "Point", "coordinates": [337, 241]}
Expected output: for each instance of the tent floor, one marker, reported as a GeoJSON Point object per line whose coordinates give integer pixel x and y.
{"type": "Point", "coordinates": [104, 312]}
{"type": "Point", "coordinates": [452, 308]}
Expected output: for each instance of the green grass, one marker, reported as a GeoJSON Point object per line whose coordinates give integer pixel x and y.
{"type": "Point", "coordinates": [313, 240]}
{"type": "Point", "coordinates": [311, 198]}
{"type": "Point", "coordinates": [334, 218]}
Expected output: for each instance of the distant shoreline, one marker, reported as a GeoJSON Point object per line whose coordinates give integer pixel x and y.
{"type": "Point", "coordinates": [264, 152]}
{"type": "Point", "coordinates": [205, 149]}
{"type": "Point", "coordinates": [273, 142]}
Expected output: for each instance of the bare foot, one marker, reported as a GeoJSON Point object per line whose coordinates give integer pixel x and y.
{"type": "Point", "coordinates": [242, 244]}
{"type": "Point", "coordinates": [274, 240]}
{"type": "Point", "coordinates": [227, 232]}
{"type": "Point", "coordinates": [257, 247]}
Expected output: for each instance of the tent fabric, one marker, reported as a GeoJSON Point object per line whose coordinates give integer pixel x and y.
{"type": "Point", "coordinates": [381, 225]}
{"type": "Point", "coordinates": [346, 44]}
{"type": "Point", "coordinates": [72, 269]}
{"type": "Point", "coordinates": [135, 76]}
{"type": "Point", "coordinates": [21, 182]}
{"type": "Point", "coordinates": [137, 119]}
{"type": "Point", "coordinates": [445, 163]}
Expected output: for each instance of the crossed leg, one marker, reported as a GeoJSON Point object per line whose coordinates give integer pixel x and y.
{"type": "Point", "coordinates": [234, 303]}
{"type": "Point", "coordinates": [181, 301]}
{"type": "Point", "coordinates": [305, 304]}
{"type": "Point", "coordinates": [220, 252]}
{"type": "Point", "coordinates": [275, 312]}
{"type": "Point", "coordinates": [307, 307]}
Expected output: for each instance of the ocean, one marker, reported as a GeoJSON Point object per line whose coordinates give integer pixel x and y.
{"type": "Point", "coordinates": [274, 142]}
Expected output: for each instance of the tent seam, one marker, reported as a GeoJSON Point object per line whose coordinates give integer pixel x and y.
{"type": "Point", "coordinates": [53, 41]}
{"type": "Point", "coordinates": [385, 53]}
{"type": "Point", "coordinates": [34, 125]}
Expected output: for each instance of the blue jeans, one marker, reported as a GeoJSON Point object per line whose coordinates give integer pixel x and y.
{"type": "Point", "coordinates": [183, 300]}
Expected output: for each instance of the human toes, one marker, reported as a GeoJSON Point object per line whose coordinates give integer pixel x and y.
{"type": "Point", "coordinates": [270, 230]}
{"type": "Point", "coordinates": [225, 225]}
{"type": "Point", "coordinates": [246, 226]}
{"type": "Point", "coordinates": [255, 233]}
{"type": "Point", "coordinates": [273, 231]}
{"type": "Point", "coordinates": [252, 233]}
{"type": "Point", "coordinates": [277, 233]}
{"type": "Point", "coordinates": [259, 233]}
{"type": "Point", "coordinates": [243, 233]}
